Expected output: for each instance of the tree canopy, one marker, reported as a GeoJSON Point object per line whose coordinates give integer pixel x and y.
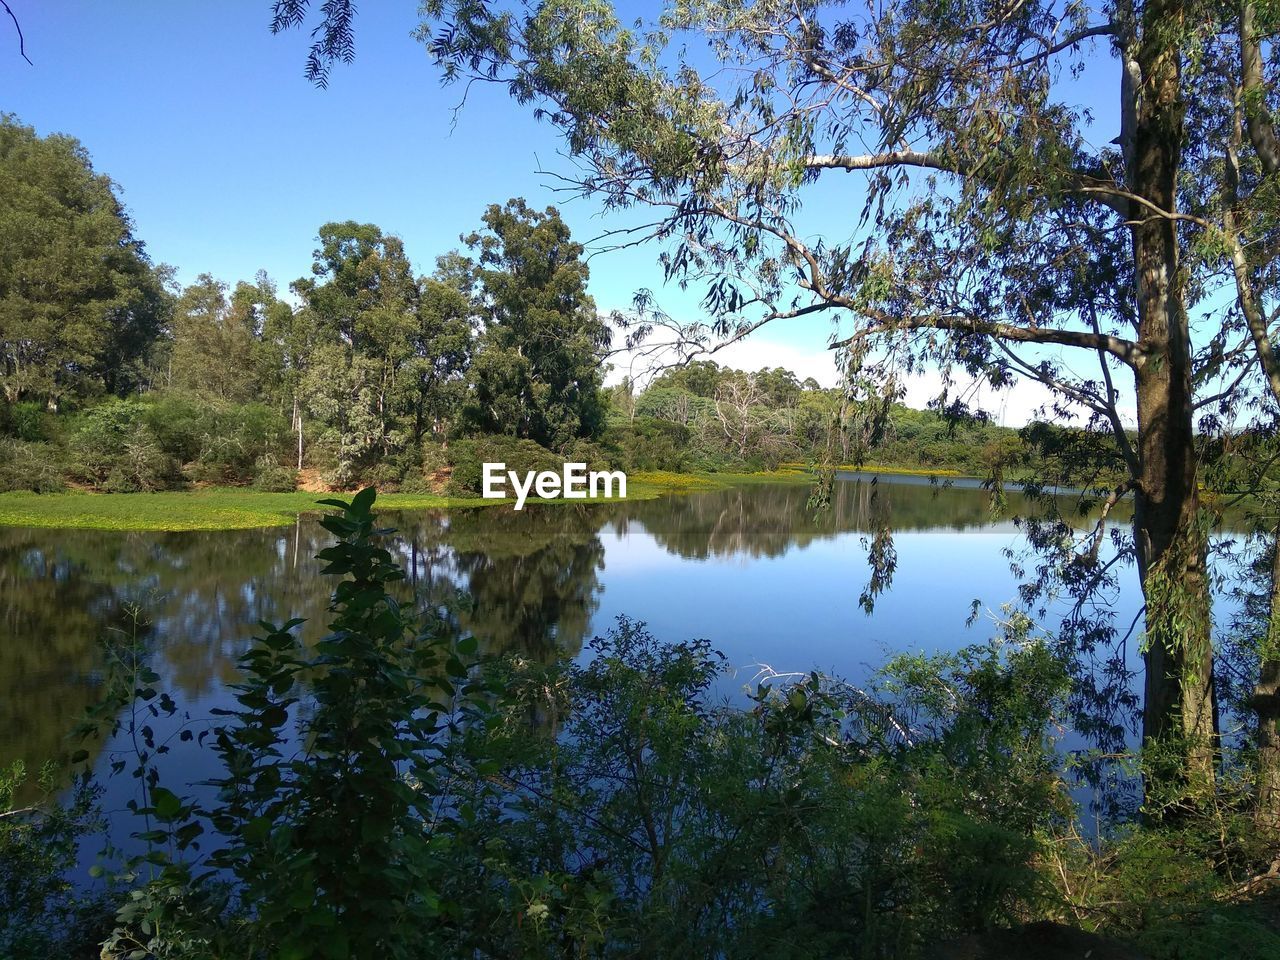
{"type": "Point", "coordinates": [80, 303]}
{"type": "Point", "coordinates": [538, 372]}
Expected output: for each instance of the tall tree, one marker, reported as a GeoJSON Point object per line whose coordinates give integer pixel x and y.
{"type": "Point", "coordinates": [446, 318]}
{"type": "Point", "coordinates": [360, 383]}
{"type": "Point", "coordinates": [80, 303]}
{"type": "Point", "coordinates": [214, 339]}
{"type": "Point", "coordinates": [537, 367]}
{"type": "Point", "coordinates": [999, 232]}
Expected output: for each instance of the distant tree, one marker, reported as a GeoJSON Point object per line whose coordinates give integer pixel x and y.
{"type": "Point", "coordinates": [446, 339]}
{"type": "Point", "coordinates": [622, 399]}
{"type": "Point", "coordinates": [537, 368]}
{"type": "Point", "coordinates": [780, 385]}
{"type": "Point", "coordinates": [214, 340]}
{"type": "Point", "coordinates": [361, 315]}
{"type": "Point", "coordinates": [80, 303]}
{"type": "Point", "coordinates": [699, 377]}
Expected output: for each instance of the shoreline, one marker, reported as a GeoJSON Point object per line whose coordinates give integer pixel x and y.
{"type": "Point", "coordinates": [241, 508]}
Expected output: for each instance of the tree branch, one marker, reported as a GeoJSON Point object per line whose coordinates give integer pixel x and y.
{"type": "Point", "coordinates": [1262, 132]}
{"type": "Point", "coordinates": [22, 42]}
{"type": "Point", "coordinates": [1125, 350]}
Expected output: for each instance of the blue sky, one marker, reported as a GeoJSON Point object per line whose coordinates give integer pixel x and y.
{"type": "Point", "coordinates": [229, 160]}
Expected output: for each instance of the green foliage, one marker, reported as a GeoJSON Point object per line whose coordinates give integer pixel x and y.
{"type": "Point", "coordinates": [331, 848]}
{"type": "Point", "coordinates": [79, 302]}
{"type": "Point", "coordinates": [270, 477]}
{"type": "Point", "coordinates": [233, 442]}
{"type": "Point", "coordinates": [113, 449]}
{"type": "Point", "coordinates": [27, 420]}
{"type": "Point", "coordinates": [37, 467]}
{"type": "Point", "coordinates": [644, 819]}
{"type": "Point", "coordinates": [385, 351]}
{"type": "Point", "coordinates": [212, 353]}
{"type": "Point", "coordinates": [1175, 893]}
{"type": "Point", "coordinates": [537, 372]}
{"type": "Point", "coordinates": [648, 443]}
{"type": "Point", "coordinates": [41, 912]}
{"type": "Point", "coordinates": [469, 456]}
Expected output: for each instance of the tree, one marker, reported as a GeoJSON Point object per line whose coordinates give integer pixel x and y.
{"type": "Point", "coordinates": [445, 319]}
{"type": "Point", "coordinates": [213, 341]}
{"type": "Point", "coordinates": [999, 234]}
{"type": "Point", "coordinates": [361, 380]}
{"type": "Point", "coordinates": [537, 369]}
{"type": "Point", "coordinates": [80, 303]}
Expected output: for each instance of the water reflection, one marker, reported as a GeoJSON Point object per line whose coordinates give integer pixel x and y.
{"type": "Point", "coordinates": [531, 582]}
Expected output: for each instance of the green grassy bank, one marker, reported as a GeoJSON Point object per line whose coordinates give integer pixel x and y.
{"type": "Point", "coordinates": [233, 508]}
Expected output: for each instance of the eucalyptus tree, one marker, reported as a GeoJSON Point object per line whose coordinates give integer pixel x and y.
{"type": "Point", "coordinates": [999, 233]}
{"type": "Point", "coordinates": [536, 372]}
{"type": "Point", "coordinates": [214, 338]}
{"type": "Point", "coordinates": [362, 307]}
{"type": "Point", "coordinates": [447, 321]}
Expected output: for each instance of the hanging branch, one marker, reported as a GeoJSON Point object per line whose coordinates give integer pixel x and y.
{"type": "Point", "coordinates": [22, 41]}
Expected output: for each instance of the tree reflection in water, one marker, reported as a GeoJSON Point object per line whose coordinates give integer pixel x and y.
{"type": "Point", "coordinates": [524, 582]}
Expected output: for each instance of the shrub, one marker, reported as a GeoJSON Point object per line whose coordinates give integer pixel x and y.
{"type": "Point", "coordinates": [41, 913]}
{"type": "Point", "coordinates": [651, 444]}
{"type": "Point", "coordinates": [37, 467]}
{"type": "Point", "coordinates": [178, 421]}
{"type": "Point", "coordinates": [271, 477]}
{"type": "Point", "coordinates": [215, 442]}
{"type": "Point", "coordinates": [470, 455]}
{"type": "Point", "coordinates": [649, 820]}
{"type": "Point", "coordinates": [330, 846]}
{"type": "Point", "coordinates": [27, 421]}
{"type": "Point", "coordinates": [113, 449]}
{"type": "Point", "coordinates": [594, 455]}
{"type": "Point", "coordinates": [234, 440]}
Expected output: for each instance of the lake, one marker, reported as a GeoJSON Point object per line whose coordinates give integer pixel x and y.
{"type": "Point", "coordinates": [753, 569]}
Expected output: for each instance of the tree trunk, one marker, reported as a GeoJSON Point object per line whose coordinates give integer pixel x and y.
{"type": "Point", "coordinates": [1266, 705]}
{"type": "Point", "coordinates": [297, 422]}
{"type": "Point", "coordinates": [1178, 714]}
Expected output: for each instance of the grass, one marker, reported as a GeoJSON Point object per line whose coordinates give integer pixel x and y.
{"type": "Point", "coordinates": [219, 508]}
{"type": "Point", "coordinates": [231, 508]}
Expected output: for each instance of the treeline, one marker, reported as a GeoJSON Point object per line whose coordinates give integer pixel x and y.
{"type": "Point", "coordinates": [702, 416]}
{"type": "Point", "coordinates": [113, 379]}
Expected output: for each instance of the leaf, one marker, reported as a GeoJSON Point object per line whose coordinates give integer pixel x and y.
{"type": "Point", "coordinates": [363, 500]}
{"type": "Point", "coordinates": [166, 802]}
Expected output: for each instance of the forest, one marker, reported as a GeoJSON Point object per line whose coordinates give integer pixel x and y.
{"type": "Point", "coordinates": [116, 380]}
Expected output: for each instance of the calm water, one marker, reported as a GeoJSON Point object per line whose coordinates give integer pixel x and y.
{"type": "Point", "coordinates": [752, 569]}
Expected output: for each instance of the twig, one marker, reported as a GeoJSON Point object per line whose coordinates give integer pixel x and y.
{"type": "Point", "coordinates": [22, 42]}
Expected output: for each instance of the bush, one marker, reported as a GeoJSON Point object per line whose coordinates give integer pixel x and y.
{"type": "Point", "coordinates": [28, 421]}
{"type": "Point", "coordinates": [41, 913]}
{"type": "Point", "coordinates": [271, 477]}
{"type": "Point", "coordinates": [826, 821]}
{"type": "Point", "coordinates": [470, 455]}
{"type": "Point", "coordinates": [594, 455]}
{"type": "Point", "coordinates": [178, 422]}
{"type": "Point", "coordinates": [214, 442]}
{"type": "Point", "coordinates": [114, 449]}
{"type": "Point", "coordinates": [651, 444]}
{"type": "Point", "coordinates": [330, 847]}
{"type": "Point", "coordinates": [37, 467]}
